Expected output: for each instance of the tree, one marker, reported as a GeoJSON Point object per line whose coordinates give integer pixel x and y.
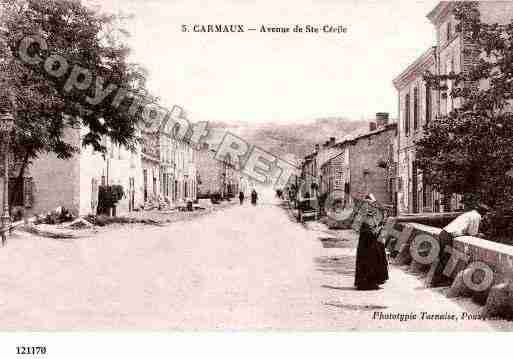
{"type": "Point", "coordinates": [470, 150]}
{"type": "Point", "coordinates": [43, 109]}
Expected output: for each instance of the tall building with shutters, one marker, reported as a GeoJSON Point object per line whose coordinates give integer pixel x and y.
{"type": "Point", "coordinates": [160, 170]}
{"type": "Point", "coordinates": [417, 107]}
{"type": "Point", "coordinates": [418, 104]}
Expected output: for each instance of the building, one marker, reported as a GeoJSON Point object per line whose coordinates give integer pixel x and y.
{"type": "Point", "coordinates": [185, 187]}
{"type": "Point", "coordinates": [309, 181]}
{"type": "Point", "coordinates": [209, 173]}
{"type": "Point", "coordinates": [151, 166]}
{"type": "Point", "coordinates": [216, 177]}
{"type": "Point", "coordinates": [357, 164]}
{"type": "Point", "coordinates": [370, 160]}
{"type": "Point", "coordinates": [74, 183]}
{"type": "Point", "coordinates": [160, 169]}
{"type": "Point", "coordinates": [335, 173]}
{"type": "Point", "coordinates": [418, 105]}
{"type": "Point", "coordinates": [169, 169]}
{"type": "Point", "coordinates": [326, 152]}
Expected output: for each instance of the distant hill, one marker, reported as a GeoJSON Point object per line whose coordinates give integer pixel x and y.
{"type": "Point", "coordinates": [298, 139]}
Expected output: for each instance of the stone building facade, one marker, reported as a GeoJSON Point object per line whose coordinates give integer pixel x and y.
{"type": "Point", "coordinates": [309, 181]}
{"type": "Point", "coordinates": [368, 157]}
{"type": "Point", "coordinates": [185, 171]}
{"type": "Point", "coordinates": [336, 174]}
{"type": "Point", "coordinates": [419, 105]}
{"type": "Point", "coordinates": [73, 183]}
{"type": "Point", "coordinates": [216, 177]}
{"type": "Point", "coordinates": [324, 163]}
{"type": "Point", "coordinates": [160, 169]}
{"type": "Point", "coordinates": [151, 166]}
{"type": "Point", "coordinates": [364, 163]}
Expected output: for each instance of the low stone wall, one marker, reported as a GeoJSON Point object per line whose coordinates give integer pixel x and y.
{"type": "Point", "coordinates": [429, 219]}
{"type": "Point", "coordinates": [487, 263]}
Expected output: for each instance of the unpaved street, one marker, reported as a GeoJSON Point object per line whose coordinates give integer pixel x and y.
{"type": "Point", "coordinates": [242, 268]}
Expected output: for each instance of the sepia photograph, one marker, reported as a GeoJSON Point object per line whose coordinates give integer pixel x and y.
{"type": "Point", "coordinates": [242, 165]}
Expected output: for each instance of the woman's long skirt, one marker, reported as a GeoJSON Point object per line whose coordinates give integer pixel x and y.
{"type": "Point", "coordinates": [371, 260]}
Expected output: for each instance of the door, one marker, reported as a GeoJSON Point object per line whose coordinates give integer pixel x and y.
{"type": "Point", "coordinates": [415, 188]}
{"type": "Point", "coordinates": [131, 194]}
{"type": "Point", "coordinates": [145, 176]}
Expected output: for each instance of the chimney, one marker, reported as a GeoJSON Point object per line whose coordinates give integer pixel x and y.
{"type": "Point", "coordinates": [381, 119]}
{"type": "Point", "coordinates": [332, 141]}
{"type": "Point", "coordinates": [372, 126]}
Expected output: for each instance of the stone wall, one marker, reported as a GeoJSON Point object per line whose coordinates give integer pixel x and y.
{"type": "Point", "coordinates": [56, 182]}
{"type": "Point", "coordinates": [364, 155]}
{"type": "Point", "coordinates": [486, 265]}
{"type": "Point", "coordinates": [209, 170]}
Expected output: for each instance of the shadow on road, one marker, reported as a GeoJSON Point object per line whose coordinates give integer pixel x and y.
{"type": "Point", "coordinates": [342, 264]}
{"type": "Point", "coordinates": [337, 288]}
{"type": "Point", "coordinates": [355, 306]}
{"type": "Point", "coordinates": [333, 242]}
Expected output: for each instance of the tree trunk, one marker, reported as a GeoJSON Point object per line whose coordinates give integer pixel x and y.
{"type": "Point", "coordinates": [18, 185]}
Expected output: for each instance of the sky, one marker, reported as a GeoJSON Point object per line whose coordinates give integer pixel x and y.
{"type": "Point", "coordinates": [276, 77]}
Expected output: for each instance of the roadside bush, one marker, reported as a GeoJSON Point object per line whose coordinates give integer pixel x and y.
{"type": "Point", "coordinates": [108, 197]}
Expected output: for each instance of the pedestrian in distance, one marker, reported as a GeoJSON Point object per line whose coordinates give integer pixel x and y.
{"type": "Point", "coordinates": [241, 197]}
{"type": "Point", "coordinates": [254, 197]}
{"type": "Point", "coordinates": [371, 261]}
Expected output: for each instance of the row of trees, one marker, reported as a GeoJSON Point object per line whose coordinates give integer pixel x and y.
{"type": "Point", "coordinates": [470, 151]}
{"type": "Point", "coordinates": [84, 37]}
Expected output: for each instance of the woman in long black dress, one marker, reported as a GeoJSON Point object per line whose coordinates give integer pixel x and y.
{"type": "Point", "coordinates": [371, 261]}
{"type": "Point", "coordinates": [254, 197]}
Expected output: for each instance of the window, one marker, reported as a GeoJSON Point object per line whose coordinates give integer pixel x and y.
{"type": "Point", "coordinates": [427, 197]}
{"type": "Point", "coordinates": [407, 114]}
{"type": "Point", "coordinates": [21, 194]}
{"type": "Point", "coordinates": [415, 108]}
{"type": "Point", "coordinates": [428, 104]}
{"type": "Point", "coordinates": [446, 202]}
{"type": "Point", "coordinates": [145, 185]}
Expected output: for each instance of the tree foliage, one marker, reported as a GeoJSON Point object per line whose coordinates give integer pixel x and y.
{"type": "Point", "coordinates": [470, 151]}
{"type": "Point", "coordinates": [43, 110]}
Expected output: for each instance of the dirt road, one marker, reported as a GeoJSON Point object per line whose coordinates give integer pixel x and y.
{"type": "Point", "coordinates": [242, 268]}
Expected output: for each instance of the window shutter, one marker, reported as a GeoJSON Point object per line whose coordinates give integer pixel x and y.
{"type": "Point", "coordinates": [28, 197]}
